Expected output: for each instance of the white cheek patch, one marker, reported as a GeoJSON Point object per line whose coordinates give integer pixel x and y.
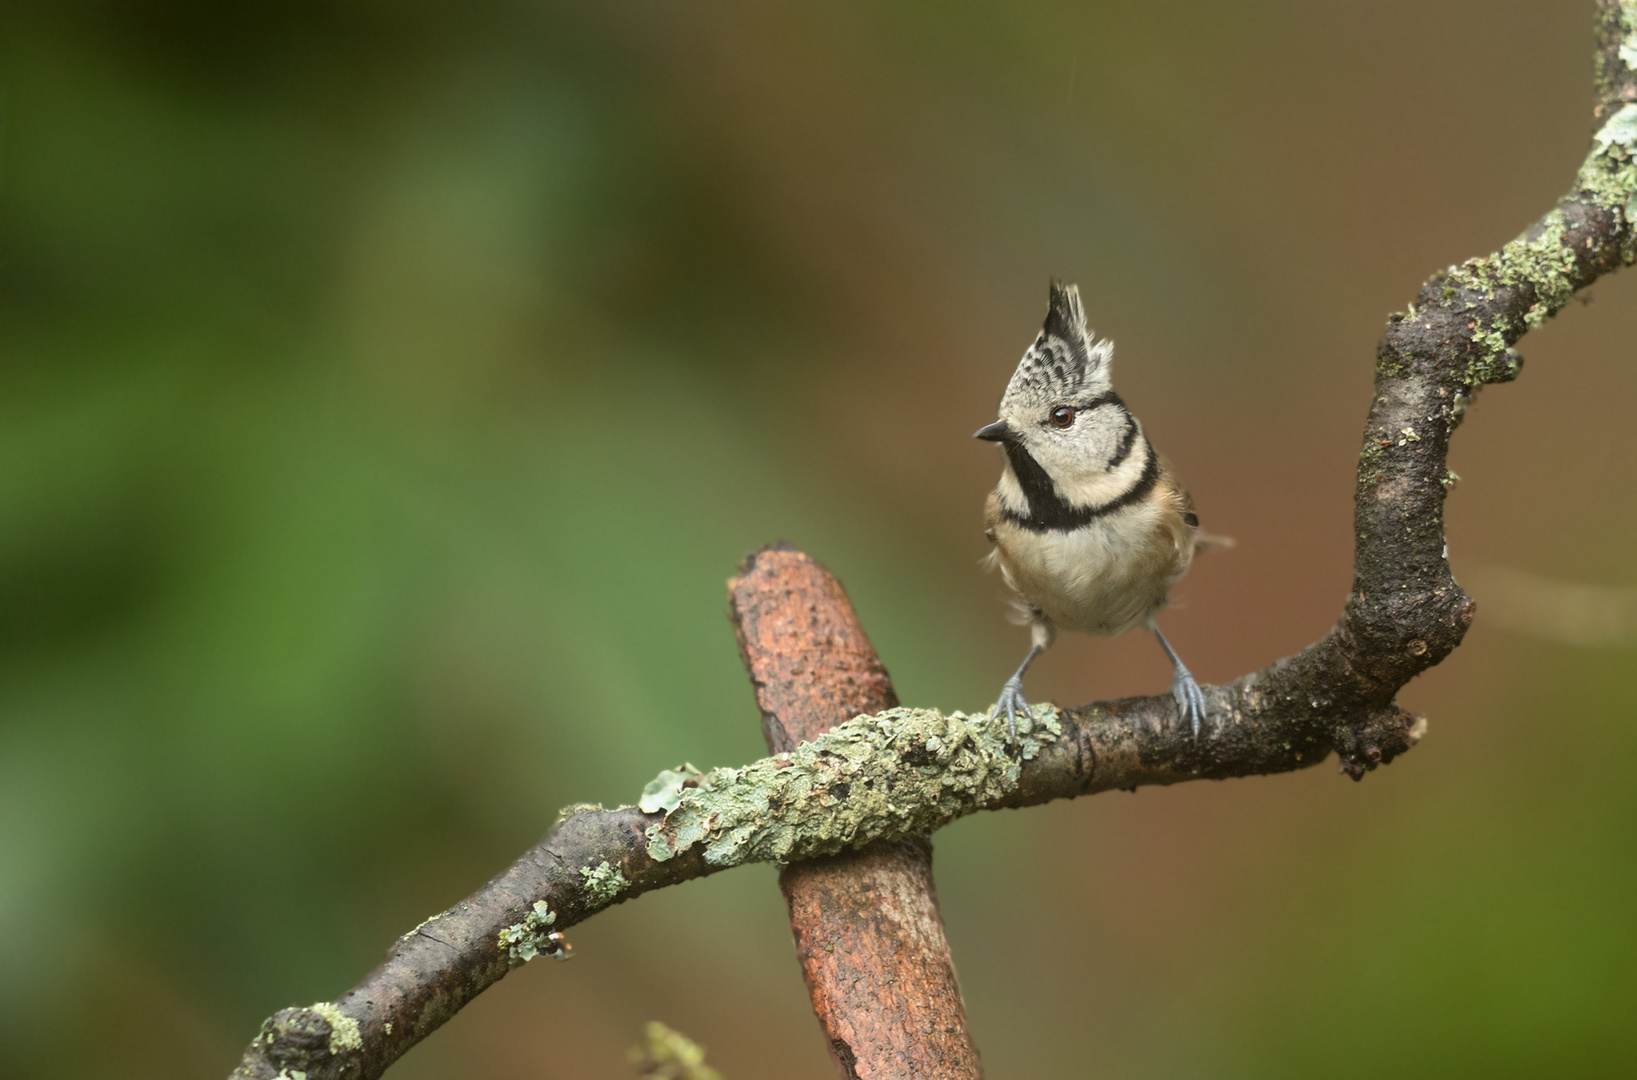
{"type": "Point", "coordinates": [1011, 493]}
{"type": "Point", "coordinates": [1090, 485]}
{"type": "Point", "coordinates": [1105, 429]}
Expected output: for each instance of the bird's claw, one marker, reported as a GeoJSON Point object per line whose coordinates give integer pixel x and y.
{"type": "Point", "coordinates": [1011, 703]}
{"type": "Point", "coordinates": [1190, 699]}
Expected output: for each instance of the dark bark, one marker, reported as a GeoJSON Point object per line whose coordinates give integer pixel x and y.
{"type": "Point", "coordinates": [868, 933]}
{"type": "Point", "coordinates": [1404, 614]}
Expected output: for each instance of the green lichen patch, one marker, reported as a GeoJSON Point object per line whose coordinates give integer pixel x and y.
{"type": "Point", "coordinates": [1618, 135]}
{"type": "Point", "coordinates": [1609, 179]}
{"type": "Point", "coordinates": [603, 883]}
{"type": "Point", "coordinates": [1545, 263]}
{"type": "Point", "coordinates": [664, 791]}
{"type": "Point", "coordinates": [1609, 174]}
{"type": "Point", "coordinates": [899, 772]}
{"type": "Point", "coordinates": [1391, 366]}
{"type": "Point", "coordinates": [1492, 341]}
{"type": "Point", "coordinates": [344, 1033]}
{"type": "Point", "coordinates": [1369, 457]}
{"type": "Point", "coordinates": [670, 1055]}
{"type": "Point", "coordinates": [1495, 364]}
{"type": "Point", "coordinates": [522, 942]}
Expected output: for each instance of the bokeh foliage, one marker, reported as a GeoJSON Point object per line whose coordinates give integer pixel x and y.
{"type": "Point", "coordinates": [387, 389]}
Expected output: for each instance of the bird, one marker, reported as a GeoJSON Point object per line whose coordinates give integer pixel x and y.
{"type": "Point", "coordinates": [1089, 525]}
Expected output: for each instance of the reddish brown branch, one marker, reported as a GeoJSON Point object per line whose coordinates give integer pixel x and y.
{"type": "Point", "coordinates": [866, 923]}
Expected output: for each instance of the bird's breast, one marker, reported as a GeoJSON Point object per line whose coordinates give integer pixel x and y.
{"type": "Point", "coordinates": [1101, 578]}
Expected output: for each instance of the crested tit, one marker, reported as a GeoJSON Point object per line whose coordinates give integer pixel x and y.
{"type": "Point", "coordinates": [1089, 525]}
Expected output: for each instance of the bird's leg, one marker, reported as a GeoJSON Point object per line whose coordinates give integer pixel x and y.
{"type": "Point", "coordinates": [1190, 698]}
{"type": "Point", "coordinates": [1011, 695]}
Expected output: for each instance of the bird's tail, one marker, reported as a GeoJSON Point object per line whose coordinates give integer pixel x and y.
{"type": "Point", "coordinates": [1205, 541]}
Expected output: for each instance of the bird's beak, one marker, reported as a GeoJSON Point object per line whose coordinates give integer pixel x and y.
{"type": "Point", "coordinates": [996, 432]}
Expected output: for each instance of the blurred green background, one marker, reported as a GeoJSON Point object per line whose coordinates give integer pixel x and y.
{"type": "Point", "coordinates": [387, 389]}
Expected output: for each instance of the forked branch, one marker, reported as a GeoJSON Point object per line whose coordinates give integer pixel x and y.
{"type": "Point", "coordinates": [908, 772]}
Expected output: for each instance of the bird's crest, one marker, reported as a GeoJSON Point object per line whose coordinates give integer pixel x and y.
{"type": "Point", "coordinates": [1066, 361]}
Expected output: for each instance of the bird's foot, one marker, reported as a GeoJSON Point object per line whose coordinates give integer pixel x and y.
{"type": "Point", "coordinates": [1190, 699]}
{"type": "Point", "coordinates": [1011, 703]}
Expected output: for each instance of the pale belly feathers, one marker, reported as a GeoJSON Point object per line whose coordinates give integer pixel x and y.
{"type": "Point", "coordinates": [1104, 578]}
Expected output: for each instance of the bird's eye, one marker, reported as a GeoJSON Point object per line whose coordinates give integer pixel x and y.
{"type": "Point", "coordinates": [1062, 416]}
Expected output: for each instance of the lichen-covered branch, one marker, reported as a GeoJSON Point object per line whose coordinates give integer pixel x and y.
{"type": "Point", "coordinates": [909, 771]}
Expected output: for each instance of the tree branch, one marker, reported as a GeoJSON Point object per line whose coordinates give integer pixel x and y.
{"type": "Point", "coordinates": [868, 933]}
{"type": "Point", "coordinates": [907, 772]}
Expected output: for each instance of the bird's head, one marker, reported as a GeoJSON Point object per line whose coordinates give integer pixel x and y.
{"type": "Point", "coordinates": [1060, 407]}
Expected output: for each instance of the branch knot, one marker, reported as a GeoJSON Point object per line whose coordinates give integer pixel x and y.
{"type": "Point", "coordinates": [319, 1042]}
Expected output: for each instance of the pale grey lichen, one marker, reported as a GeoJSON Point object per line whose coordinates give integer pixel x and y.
{"type": "Point", "coordinates": [1620, 130]}
{"type": "Point", "coordinates": [603, 883]}
{"type": "Point", "coordinates": [899, 772]}
{"type": "Point", "coordinates": [344, 1033]}
{"type": "Point", "coordinates": [1543, 259]}
{"type": "Point", "coordinates": [664, 791]}
{"type": "Point", "coordinates": [523, 941]}
{"type": "Point", "coordinates": [1609, 174]}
